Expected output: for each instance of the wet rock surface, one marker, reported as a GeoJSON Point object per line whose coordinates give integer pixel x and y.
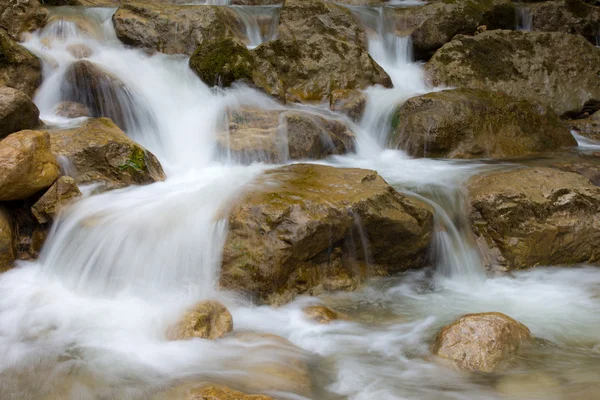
{"type": "Point", "coordinates": [481, 342]}
{"type": "Point", "coordinates": [7, 253]}
{"type": "Point", "coordinates": [206, 320]}
{"type": "Point", "coordinates": [278, 136]}
{"type": "Point", "coordinates": [472, 123]}
{"type": "Point", "coordinates": [99, 152]}
{"type": "Point", "coordinates": [17, 112]}
{"type": "Point", "coordinates": [535, 217]}
{"type": "Point", "coordinates": [60, 194]}
{"type": "Point", "coordinates": [550, 68]}
{"type": "Point", "coordinates": [19, 68]}
{"type": "Point", "coordinates": [27, 165]}
{"type": "Point", "coordinates": [295, 231]}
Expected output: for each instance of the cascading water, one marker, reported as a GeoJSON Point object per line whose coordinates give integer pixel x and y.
{"type": "Point", "coordinates": [87, 320]}
{"type": "Point", "coordinates": [524, 17]}
{"type": "Point", "coordinates": [259, 23]}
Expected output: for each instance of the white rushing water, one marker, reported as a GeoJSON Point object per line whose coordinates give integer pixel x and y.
{"type": "Point", "coordinates": [524, 17]}
{"type": "Point", "coordinates": [87, 320]}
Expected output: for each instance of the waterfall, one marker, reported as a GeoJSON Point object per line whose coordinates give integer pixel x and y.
{"type": "Point", "coordinates": [258, 23]}
{"type": "Point", "coordinates": [524, 17]}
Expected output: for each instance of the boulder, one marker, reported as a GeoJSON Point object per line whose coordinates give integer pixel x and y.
{"type": "Point", "coordinates": [19, 68]}
{"type": "Point", "coordinates": [70, 109]}
{"type": "Point", "coordinates": [61, 193]}
{"type": "Point", "coordinates": [7, 253]}
{"type": "Point", "coordinates": [222, 61]}
{"type": "Point", "coordinates": [17, 112]}
{"type": "Point", "coordinates": [349, 102]}
{"type": "Point", "coordinates": [278, 136]}
{"type": "Point", "coordinates": [26, 165]}
{"type": "Point", "coordinates": [99, 152]}
{"type": "Point", "coordinates": [474, 123]}
{"type": "Point", "coordinates": [101, 92]}
{"type": "Point", "coordinates": [171, 28]}
{"type": "Point", "coordinates": [588, 127]}
{"type": "Point", "coordinates": [321, 314]}
{"type": "Point", "coordinates": [439, 22]}
{"type": "Point", "coordinates": [569, 16]}
{"type": "Point", "coordinates": [207, 320]}
{"type": "Point", "coordinates": [320, 47]}
{"type": "Point", "coordinates": [550, 68]}
{"type": "Point", "coordinates": [535, 216]}
{"type": "Point", "coordinates": [222, 393]}
{"type": "Point", "coordinates": [19, 16]}
{"type": "Point", "coordinates": [481, 342]}
{"type": "Point", "coordinates": [302, 229]}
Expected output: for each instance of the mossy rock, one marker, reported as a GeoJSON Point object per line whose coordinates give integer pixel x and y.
{"type": "Point", "coordinates": [474, 123]}
{"type": "Point", "coordinates": [221, 62]}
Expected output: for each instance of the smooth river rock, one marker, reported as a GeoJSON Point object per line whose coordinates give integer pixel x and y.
{"type": "Point", "coordinates": [17, 112]}
{"type": "Point", "coordinates": [277, 136]}
{"type": "Point", "coordinates": [27, 165]}
{"type": "Point", "coordinates": [473, 123]}
{"type": "Point", "coordinates": [481, 342]}
{"type": "Point", "coordinates": [550, 68]}
{"type": "Point", "coordinates": [207, 320]}
{"type": "Point", "coordinates": [61, 193]}
{"type": "Point", "coordinates": [535, 216]}
{"type": "Point", "coordinates": [99, 152]}
{"type": "Point", "coordinates": [297, 229]}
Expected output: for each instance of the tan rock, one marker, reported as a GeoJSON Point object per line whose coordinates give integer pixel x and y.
{"type": "Point", "coordinates": [207, 320]}
{"type": "Point", "coordinates": [549, 68]}
{"type": "Point", "coordinates": [58, 196]}
{"type": "Point", "coordinates": [26, 165]}
{"type": "Point", "coordinates": [481, 342]}
{"type": "Point", "coordinates": [80, 50]}
{"type": "Point", "coordinates": [473, 123]}
{"type": "Point", "coordinates": [19, 16]}
{"type": "Point", "coordinates": [295, 231]}
{"type": "Point", "coordinates": [7, 253]}
{"type": "Point", "coordinates": [17, 112]}
{"type": "Point", "coordinates": [98, 151]}
{"type": "Point", "coordinates": [277, 136]}
{"type": "Point", "coordinates": [349, 102]}
{"type": "Point", "coordinates": [19, 68]}
{"type": "Point", "coordinates": [535, 216]}
{"type": "Point", "coordinates": [71, 109]}
{"type": "Point", "coordinates": [321, 314]}
{"type": "Point", "coordinates": [222, 393]}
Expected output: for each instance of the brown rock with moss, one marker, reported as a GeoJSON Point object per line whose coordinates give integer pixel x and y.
{"type": "Point", "coordinates": [473, 123]}
{"type": "Point", "coordinates": [19, 68]}
{"type": "Point", "coordinates": [26, 165]}
{"type": "Point", "coordinates": [481, 342]}
{"type": "Point", "coordinates": [439, 22]}
{"type": "Point", "coordinates": [222, 61]}
{"type": "Point", "coordinates": [550, 68]}
{"type": "Point", "coordinates": [569, 16]}
{"type": "Point", "coordinates": [61, 193]}
{"type": "Point", "coordinates": [297, 229]}
{"type": "Point", "coordinates": [206, 320]}
{"type": "Point", "coordinates": [20, 16]}
{"type": "Point", "coordinates": [7, 253]}
{"type": "Point", "coordinates": [99, 152]}
{"type": "Point", "coordinates": [535, 216]}
{"type": "Point", "coordinates": [17, 112]}
{"type": "Point", "coordinates": [320, 47]}
{"type": "Point", "coordinates": [277, 136]}
{"type": "Point", "coordinates": [321, 314]}
{"type": "Point", "coordinates": [171, 28]}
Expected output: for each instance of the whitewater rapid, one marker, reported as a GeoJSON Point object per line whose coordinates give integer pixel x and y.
{"type": "Point", "coordinates": [87, 320]}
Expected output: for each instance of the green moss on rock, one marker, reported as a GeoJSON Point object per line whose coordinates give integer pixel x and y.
{"type": "Point", "coordinates": [222, 62]}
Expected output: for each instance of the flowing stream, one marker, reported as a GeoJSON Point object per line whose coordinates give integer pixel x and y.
{"type": "Point", "coordinates": [87, 320]}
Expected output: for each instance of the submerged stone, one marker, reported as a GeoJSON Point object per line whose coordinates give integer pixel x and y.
{"type": "Point", "coordinates": [481, 342]}
{"type": "Point", "coordinates": [206, 320]}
